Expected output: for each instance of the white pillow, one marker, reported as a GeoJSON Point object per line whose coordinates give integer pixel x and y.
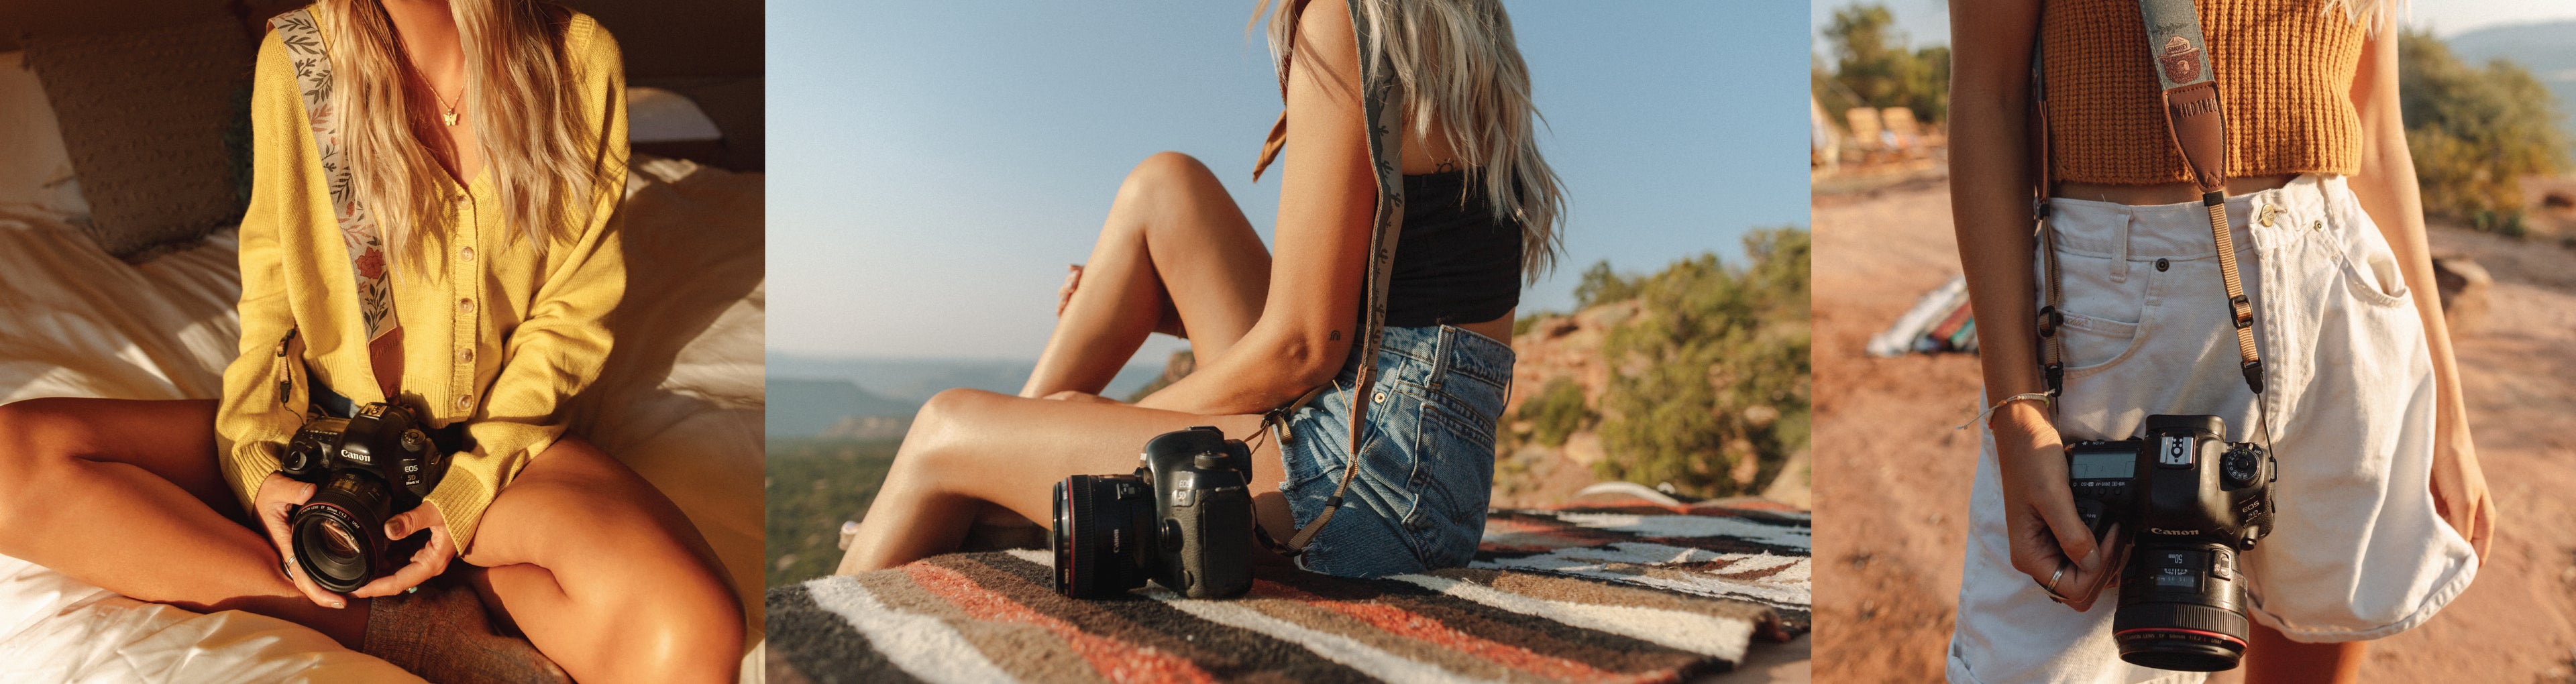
{"type": "Point", "coordinates": [656, 115]}
{"type": "Point", "coordinates": [34, 168]}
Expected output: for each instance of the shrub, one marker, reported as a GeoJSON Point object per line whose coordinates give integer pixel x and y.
{"type": "Point", "coordinates": [1556, 412]}
{"type": "Point", "coordinates": [2475, 132]}
{"type": "Point", "coordinates": [1711, 377]}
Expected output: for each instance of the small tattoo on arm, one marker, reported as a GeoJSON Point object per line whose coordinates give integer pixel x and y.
{"type": "Point", "coordinates": [1335, 337]}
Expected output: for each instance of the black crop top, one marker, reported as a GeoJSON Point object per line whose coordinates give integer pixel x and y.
{"type": "Point", "coordinates": [1454, 264]}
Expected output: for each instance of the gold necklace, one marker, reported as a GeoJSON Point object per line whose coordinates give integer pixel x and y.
{"type": "Point", "coordinates": [449, 116]}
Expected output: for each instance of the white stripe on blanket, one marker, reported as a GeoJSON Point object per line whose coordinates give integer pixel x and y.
{"type": "Point", "coordinates": [923, 646]}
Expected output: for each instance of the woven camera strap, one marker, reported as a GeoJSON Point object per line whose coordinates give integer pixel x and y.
{"type": "Point", "coordinates": [2193, 116]}
{"type": "Point", "coordinates": [1380, 102]}
{"type": "Point", "coordinates": [369, 262]}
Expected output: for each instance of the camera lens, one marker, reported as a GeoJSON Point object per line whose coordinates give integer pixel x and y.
{"type": "Point", "coordinates": [339, 534]}
{"type": "Point", "coordinates": [2181, 608]}
{"type": "Point", "coordinates": [1102, 537]}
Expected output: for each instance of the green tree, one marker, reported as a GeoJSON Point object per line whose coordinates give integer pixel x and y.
{"type": "Point", "coordinates": [1873, 66]}
{"type": "Point", "coordinates": [1712, 382]}
{"type": "Point", "coordinates": [2475, 132]}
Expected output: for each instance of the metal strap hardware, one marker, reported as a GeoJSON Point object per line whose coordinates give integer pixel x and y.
{"type": "Point", "coordinates": [2197, 123]}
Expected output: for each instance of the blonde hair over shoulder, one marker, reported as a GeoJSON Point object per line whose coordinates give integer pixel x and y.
{"type": "Point", "coordinates": [522, 96]}
{"type": "Point", "coordinates": [1459, 65]}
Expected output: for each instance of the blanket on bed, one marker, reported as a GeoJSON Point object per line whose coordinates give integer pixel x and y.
{"type": "Point", "coordinates": [1623, 593]}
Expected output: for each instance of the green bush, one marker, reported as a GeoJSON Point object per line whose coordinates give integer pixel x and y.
{"type": "Point", "coordinates": [1556, 412]}
{"type": "Point", "coordinates": [1712, 371]}
{"type": "Point", "coordinates": [813, 485]}
{"type": "Point", "coordinates": [2475, 132]}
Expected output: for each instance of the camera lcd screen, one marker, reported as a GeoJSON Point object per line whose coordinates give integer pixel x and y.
{"type": "Point", "coordinates": [2102, 466]}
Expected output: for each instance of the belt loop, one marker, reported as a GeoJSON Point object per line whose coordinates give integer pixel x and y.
{"type": "Point", "coordinates": [2120, 247]}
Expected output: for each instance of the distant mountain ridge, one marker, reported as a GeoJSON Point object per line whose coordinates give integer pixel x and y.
{"type": "Point", "coordinates": [2546, 49]}
{"type": "Point", "coordinates": [808, 395]}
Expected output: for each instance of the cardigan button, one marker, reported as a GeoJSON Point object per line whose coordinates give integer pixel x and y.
{"type": "Point", "coordinates": [466, 305]}
{"type": "Point", "coordinates": [467, 254]}
{"type": "Point", "coordinates": [465, 402]}
{"type": "Point", "coordinates": [465, 355]}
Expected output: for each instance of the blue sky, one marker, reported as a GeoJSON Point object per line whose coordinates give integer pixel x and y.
{"type": "Point", "coordinates": [1927, 22]}
{"type": "Point", "coordinates": [934, 165]}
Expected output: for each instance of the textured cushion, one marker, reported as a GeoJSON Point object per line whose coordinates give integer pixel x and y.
{"type": "Point", "coordinates": [34, 170]}
{"type": "Point", "coordinates": [145, 117]}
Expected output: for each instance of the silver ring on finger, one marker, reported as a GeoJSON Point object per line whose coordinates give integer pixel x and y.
{"type": "Point", "coordinates": [2050, 586]}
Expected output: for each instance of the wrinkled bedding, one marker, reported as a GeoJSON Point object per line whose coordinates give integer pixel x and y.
{"type": "Point", "coordinates": [680, 402]}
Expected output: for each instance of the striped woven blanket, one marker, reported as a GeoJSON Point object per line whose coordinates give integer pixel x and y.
{"type": "Point", "coordinates": [1632, 593]}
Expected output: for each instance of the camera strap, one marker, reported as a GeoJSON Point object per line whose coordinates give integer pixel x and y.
{"type": "Point", "coordinates": [1380, 101]}
{"type": "Point", "coordinates": [2198, 129]}
{"type": "Point", "coordinates": [370, 263]}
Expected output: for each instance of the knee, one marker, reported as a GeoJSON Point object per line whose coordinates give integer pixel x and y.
{"type": "Point", "coordinates": [941, 423]}
{"type": "Point", "coordinates": [29, 436]}
{"type": "Point", "coordinates": [677, 625]}
{"type": "Point", "coordinates": [1157, 175]}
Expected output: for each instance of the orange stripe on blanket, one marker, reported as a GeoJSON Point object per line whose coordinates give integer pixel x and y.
{"type": "Point", "coordinates": [1410, 625]}
{"type": "Point", "coordinates": [1115, 659]}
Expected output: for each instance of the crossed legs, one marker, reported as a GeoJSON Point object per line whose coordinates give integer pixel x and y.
{"type": "Point", "coordinates": [597, 568]}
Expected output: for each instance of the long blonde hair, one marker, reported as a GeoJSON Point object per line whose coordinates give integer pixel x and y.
{"type": "Point", "coordinates": [521, 95]}
{"type": "Point", "coordinates": [1457, 63]}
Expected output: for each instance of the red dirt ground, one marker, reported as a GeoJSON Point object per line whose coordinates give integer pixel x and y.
{"type": "Point", "coordinates": [1892, 477]}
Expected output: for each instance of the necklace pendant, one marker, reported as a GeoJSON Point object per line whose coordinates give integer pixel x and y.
{"type": "Point", "coordinates": [449, 117]}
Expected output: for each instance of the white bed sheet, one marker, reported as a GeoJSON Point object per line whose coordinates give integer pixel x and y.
{"type": "Point", "coordinates": [680, 402]}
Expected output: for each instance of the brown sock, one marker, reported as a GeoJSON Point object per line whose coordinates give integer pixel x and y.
{"type": "Point", "coordinates": [442, 633]}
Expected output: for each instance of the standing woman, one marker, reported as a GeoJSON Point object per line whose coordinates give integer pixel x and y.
{"type": "Point", "coordinates": [1177, 255]}
{"type": "Point", "coordinates": [2381, 509]}
{"type": "Point", "coordinates": [456, 256]}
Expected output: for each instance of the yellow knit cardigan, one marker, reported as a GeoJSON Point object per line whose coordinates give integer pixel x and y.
{"type": "Point", "coordinates": [495, 335]}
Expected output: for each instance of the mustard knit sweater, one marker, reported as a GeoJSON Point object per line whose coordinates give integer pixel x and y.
{"type": "Point", "coordinates": [495, 335]}
{"type": "Point", "coordinates": [2284, 70]}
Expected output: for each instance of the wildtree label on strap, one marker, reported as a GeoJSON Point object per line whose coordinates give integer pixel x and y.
{"type": "Point", "coordinates": [2173, 39]}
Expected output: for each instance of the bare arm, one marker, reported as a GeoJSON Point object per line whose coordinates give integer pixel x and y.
{"type": "Point", "coordinates": [2385, 185]}
{"type": "Point", "coordinates": [1990, 207]}
{"type": "Point", "coordinates": [1327, 204]}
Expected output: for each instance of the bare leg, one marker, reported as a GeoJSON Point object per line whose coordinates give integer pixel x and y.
{"type": "Point", "coordinates": [2275, 659]}
{"type": "Point", "coordinates": [605, 575]}
{"type": "Point", "coordinates": [127, 495]}
{"type": "Point", "coordinates": [969, 448]}
{"type": "Point", "coordinates": [1174, 243]}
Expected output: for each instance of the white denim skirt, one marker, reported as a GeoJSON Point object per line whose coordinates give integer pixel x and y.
{"type": "Point", "coordinates": [2357, 550]}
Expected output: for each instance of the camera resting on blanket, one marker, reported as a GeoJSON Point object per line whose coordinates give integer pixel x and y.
{"type": "Point", "coordinates": [2192, 501]}
{"type": "Point", "coordinates": [367, 468]}
{"type": "Point", "coordinates": [1183, 519]}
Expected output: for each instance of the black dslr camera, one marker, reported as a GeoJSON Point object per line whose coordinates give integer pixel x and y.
{"type": "Point", "coordinates": [2191, 501]}
{"type": "Point", "coordinates": [369, 467]}
{"type": "Point", "coordinates": [1184, 519]}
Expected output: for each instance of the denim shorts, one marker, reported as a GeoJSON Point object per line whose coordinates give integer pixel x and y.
{"type": "Point", "coordinates": [2356, 550]}
{"type": "Point", "coordinates": [1426, 467]}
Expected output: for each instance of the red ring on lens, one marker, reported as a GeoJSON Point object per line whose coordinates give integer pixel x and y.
{"type": "Point", "coordinates": [2181, 630]}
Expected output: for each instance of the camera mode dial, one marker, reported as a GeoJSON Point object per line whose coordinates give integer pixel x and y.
{"type": "Point", "coordinates": [2241, 465]}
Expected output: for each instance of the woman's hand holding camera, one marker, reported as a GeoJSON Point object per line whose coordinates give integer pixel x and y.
{"type": "Point", "coordinates": [426, 563]}
{"type": "Point", "coordinates": [2049, 540]}
{"type": "Point", "coordinates": [276, 501]}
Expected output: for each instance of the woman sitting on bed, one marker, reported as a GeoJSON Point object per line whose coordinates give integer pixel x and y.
{"type": "Point", "coordinates": [1177, 256]}
{"type": "Point", "coordinates": [435, 228]}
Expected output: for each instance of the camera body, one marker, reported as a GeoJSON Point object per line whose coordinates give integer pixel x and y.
{"type": "Point", "coordinates": [366, 468]}
{"type": "Point", "coordinates": [2190, 501]}
{"type": "Point", "coordinates": [1183, 519]}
